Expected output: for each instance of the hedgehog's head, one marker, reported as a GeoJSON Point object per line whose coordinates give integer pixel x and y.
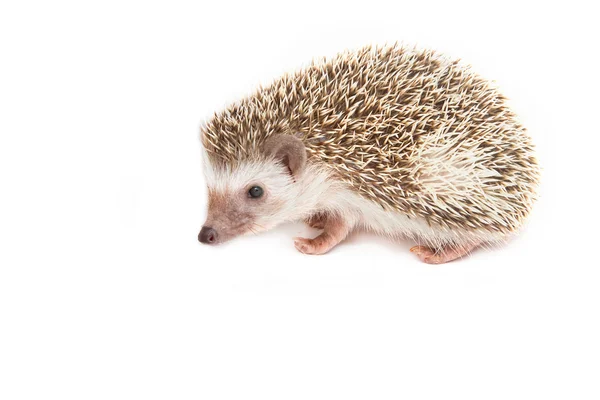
{"type": "Point", "coordinates": [256, 194]}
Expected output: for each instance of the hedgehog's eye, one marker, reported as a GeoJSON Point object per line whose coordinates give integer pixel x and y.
{"type": "Point", "coordinates": [255, 192]}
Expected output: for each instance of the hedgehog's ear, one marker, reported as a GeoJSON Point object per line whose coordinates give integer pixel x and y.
{"type": "Point", "coordinates": [287, 149]}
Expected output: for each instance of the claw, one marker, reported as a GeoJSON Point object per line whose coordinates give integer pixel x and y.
{"type": "Point", "coordinates": [303, 245]}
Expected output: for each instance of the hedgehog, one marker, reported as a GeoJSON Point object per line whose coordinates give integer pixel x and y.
{"type": "Point", "coordinates": [396, 140]}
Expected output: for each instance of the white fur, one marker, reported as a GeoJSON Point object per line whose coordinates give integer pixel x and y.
{"type": "Point", "coordinates": [317, 190]}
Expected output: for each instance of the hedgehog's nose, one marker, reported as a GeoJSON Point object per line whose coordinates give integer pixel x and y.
{"type": "Point", "coordinates": [207, 235]}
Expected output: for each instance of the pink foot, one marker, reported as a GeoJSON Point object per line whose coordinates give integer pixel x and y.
{"type": "Point", "coordinates": [444, 255]}
{"type": "Point", "coordinates": [334, 231]}
{"type": "Point", "coordinates": [312, 246]}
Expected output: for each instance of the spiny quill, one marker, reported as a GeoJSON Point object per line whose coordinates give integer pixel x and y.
{"type": "Point", "coordinates": [408, 129]}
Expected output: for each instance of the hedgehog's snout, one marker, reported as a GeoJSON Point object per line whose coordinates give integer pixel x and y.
{"type": "Point", "coordinates": [207, 235]}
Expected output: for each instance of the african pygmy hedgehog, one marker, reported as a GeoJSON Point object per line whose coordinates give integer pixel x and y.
{"type": "Point", "coordinates": [395, 140]}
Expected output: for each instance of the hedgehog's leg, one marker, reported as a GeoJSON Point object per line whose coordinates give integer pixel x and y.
{"type": "Point", "coordinates": [335, 229]}
{"type": "Point", "coordinates": [316, 220]}
{"type": "Point", "coordinates": [443, 255]}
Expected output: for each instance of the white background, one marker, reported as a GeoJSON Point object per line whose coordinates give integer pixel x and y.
{"type": "Point", "coordinates": [105, 292]}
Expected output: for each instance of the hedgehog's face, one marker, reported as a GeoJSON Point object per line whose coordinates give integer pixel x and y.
{"type": "Point", "coordinates": [254, 196]}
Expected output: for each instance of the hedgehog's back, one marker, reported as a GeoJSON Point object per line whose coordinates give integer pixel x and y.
{"type": "Point", "coordinates": [410, 130]}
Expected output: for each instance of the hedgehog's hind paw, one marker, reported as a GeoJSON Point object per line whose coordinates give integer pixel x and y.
{"type": "Point", "coordinates": [444, 255]}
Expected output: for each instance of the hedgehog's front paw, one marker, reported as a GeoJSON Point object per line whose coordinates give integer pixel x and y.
{"type": "Point", "coordinates": [311, 246]}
